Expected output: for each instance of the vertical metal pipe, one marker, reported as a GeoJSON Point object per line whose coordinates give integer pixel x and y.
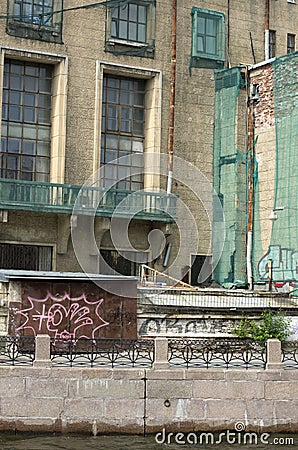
{"type": "Point", "coordinates": [250, 180]}
{"type": "Point", "coordinates": [172, 98]}
{"type": "Point", "coordinates": [267, 27]}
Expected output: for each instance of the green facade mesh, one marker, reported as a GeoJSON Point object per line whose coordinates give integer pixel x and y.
{"type": "Point", "coordinates": [230, 175]}
{"type": "Point", "coordinates": [283, 249]}
{"type": "Point", "coordinates": [229, 171]}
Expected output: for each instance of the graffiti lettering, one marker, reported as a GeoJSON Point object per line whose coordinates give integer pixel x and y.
{"type": "Point", "coordinates": [63, 317]}
{"type": "Point", "coordinates": [284, 264]}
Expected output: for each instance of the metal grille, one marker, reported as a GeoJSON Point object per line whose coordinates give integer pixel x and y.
{"type": "Point", "coordinates": [217, 353]}
{"type": "Point", "coordinates": [27, 257]}
{"type": "Point", "coordinates": [289, 351]}
{"type": "Point", "coordinates": [17, 350]}
{"type": "Point", "coordinates": [102, 352]}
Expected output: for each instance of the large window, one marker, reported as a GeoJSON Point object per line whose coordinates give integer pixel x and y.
{"type": "Point", "coordinates": [130, 28]}
{"type": "Point", "coordinates": [26, 121]}
{"type": "Point", "coordinates": [208, 38]}
{"type": "Point", "coordinates": [35, 19]}
{"type": "Point", "coordinates": [123, 121]}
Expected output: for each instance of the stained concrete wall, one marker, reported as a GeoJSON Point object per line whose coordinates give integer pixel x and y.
{"type": "Point", "coordinates": [134, 401]}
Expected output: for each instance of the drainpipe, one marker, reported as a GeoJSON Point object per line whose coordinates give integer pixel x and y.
{"type": "Point", "coordinates": [250, 180]}
{"type": "Point", "coordinates": [172, 98]}
{"type": "Point", "coordinates": [267, 22]}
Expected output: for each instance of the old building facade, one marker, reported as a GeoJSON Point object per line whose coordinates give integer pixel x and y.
{"type": "Point", "coordinates": [85, 84]}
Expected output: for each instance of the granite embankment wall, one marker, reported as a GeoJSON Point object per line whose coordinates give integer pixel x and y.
{"type": "Point", "coordinates": [102, 400]}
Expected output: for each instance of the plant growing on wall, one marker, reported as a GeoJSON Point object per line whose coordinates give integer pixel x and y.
{"type": "Point", "coordinates": [272, 324]}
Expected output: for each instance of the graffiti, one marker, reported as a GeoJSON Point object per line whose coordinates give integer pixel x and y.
{"type": "Point", "coordinates": [62, 316]}
{"type": "Point", "coordinates": [123, 315]}
{"type": "Point", "coordinates": [183, 327]}
{"type": "Point", "coordinates": [284, 264]}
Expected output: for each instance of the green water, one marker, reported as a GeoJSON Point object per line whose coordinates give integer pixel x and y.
{"type": "Point", "coordinates": [81, 442]}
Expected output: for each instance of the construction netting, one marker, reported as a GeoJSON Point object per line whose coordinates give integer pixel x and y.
{"type": "Point", "coordinates": [231, 166]}
{"type": "Point", "coordinates": [283, 249]}
{"type": "Point", "coordinates": [229, 171]}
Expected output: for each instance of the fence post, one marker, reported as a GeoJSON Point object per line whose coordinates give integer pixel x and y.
{"type": "Point", "coordinates": [42, 351]}
{"type": "Point", "coordinates": [274, 354]}
{"type": "Point", "coordinates": [161, 353]}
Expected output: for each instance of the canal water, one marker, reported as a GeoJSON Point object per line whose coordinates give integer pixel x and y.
{"type": "Point", "coordinates": [82, 442]}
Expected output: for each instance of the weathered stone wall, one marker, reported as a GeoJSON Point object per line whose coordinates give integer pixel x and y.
{"type": "Point", "coordinates": [134, 400]}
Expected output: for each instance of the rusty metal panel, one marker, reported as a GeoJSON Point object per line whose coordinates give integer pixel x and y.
{"type": "Point", "coordinates": [74, 310]}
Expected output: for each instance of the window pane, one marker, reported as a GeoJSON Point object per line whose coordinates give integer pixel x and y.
{"type": "Point", "coordinates": [123, 30]}
{"type": "Point", "coordinates": [133, 12]}
{"type": "Point", "coordinates": [44, 115]}
{"type": "Point", "coordinates": [15, 113]}
{"type": "Point", "coordinates": [211, 27]}
{"type": "Point", "coordinates": [27, 164]}
{"type": "Point", "coordinates": [123, 12]}
{"type": "Point", "coordinates": [43, 148]}
{"type": "Point", "coordinates": [132, 32]}
{"type": "Point", "coordinates": [44, 133]}
{"type": "Point", "coordinates": [29, 147]}
{"type": "Point", "coordinates": [29, 115]}
{"type": "Point", "coordinates": [113, 95]}
{"type": "Point", "coordinates": [112, 142]}
{"type": "Point", "coordinates": [13, 146]}
{"type": "Point", "coordinates": [15, 98]}
{"type": "Point", "coordinates": [45, 85]}
{"type": "Point", "coordinates": [201, 25]}
{"type": "Point", "coordinates": [15, 130]}
{"type": "Point", "coordinates": [16, 82]}
{"type": "Point", "coordinates": [124, 143]}
{"type": "Point", "coordinates": [43, 165]}
{"type": "Point", "coordinates": [29, 132]}
{"type": "Point", "coordinates": [211, 45]}
{"type": "Point", "coordinates": [142, 33]}
{"type": "Point", "coordinates": [142, 14]}
{"type": "Point", "coordinates": [200, 44]}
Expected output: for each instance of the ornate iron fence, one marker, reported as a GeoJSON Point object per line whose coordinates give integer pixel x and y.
{"type": "Point", "coordinates": [102, 352]}
{"type": "Point", "coordinates": [217, 353]}
{"type": "Point", "coordinates": [17, 350]}
{"type": "Point", "coordinates": [289, 354]}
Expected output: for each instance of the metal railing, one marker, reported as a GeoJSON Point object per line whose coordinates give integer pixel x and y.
{"type": "Point", "coordinates": [88, 200]}
{"type": "Point", "coordinates": [17, 350]}
{"type": "Point", "coordinates": [215, 298]}
{"type": "Point", "coordinates": [102, 352]}
{"type": "Point", "coordinates": [289, 352]}
{"type": "Point", "coordinates": [217, 353]}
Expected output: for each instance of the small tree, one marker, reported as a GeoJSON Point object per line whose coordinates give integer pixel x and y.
{"type": "Point", "coordinates": [272, 325]}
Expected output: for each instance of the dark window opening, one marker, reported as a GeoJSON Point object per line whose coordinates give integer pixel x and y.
{"type": "Point", "coordinates": [201, 270]}
{"type": "Point", "coordinates": [272, 43]}
{"type": "Point", "coordinates": [126, 263]}
{"type": "Point", "coordinates": [291, 43]}
{"type": "Point", "coordinates": [25, 257]}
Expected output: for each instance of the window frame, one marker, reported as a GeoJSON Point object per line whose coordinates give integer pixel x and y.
{"type": "Point", "coordinates": [272, 43]}
{"type": "Point", "coordinates": [117, 132]}
{"type": "Point", "coordinates": [51, 32]}
{"type": "Point", "coordinates": [118, 45]}
{"type": "Point", "coordinates": [203, 58]}
{"type": "Point", "coordinates": [59, 103]}
{"type": "Point", "coordinates": [36, 73]}
{"type": "Point", "coordinates": [291, 48]}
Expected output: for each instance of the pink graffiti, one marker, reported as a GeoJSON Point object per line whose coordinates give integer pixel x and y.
{"type": "Point", "coordinates": [79, 318]}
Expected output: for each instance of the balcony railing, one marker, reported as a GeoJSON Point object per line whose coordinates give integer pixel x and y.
{"type": "Point", "coordinates": [68, 198]}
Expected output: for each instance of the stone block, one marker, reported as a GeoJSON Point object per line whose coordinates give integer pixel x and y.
{"type": "Point", "coordinates": [123, 409]}
{"type": "Point", "coordinates": [83, 409]}
{"type": "Point", "coordinates": [286, 410]}
{"type": "Point", "coordinates": [89, 388]}
{"type": "Point", "coordinates": [169, 389]}
{"type": "Point", "coordinates": [225, 410]}
{"type": "Point", "coordinates": [12, 387]}
{"type": "Point", "coordinates": [281, 390]}
{"type": "Point", "coordinates": [32, 407]}
{"type": "Point", "coordinates": [224, 390]}
{"type": "Point", "coordinates": [43, 388]}
{"type": "Point", "coordinates": [259, 409]}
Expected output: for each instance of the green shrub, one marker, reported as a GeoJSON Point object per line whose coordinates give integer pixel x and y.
{"type": "Point", "coordinates": [272, 324]}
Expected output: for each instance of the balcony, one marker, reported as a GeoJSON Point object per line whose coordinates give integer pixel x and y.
{"type": "Point", "coordinates": [19, 195]}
